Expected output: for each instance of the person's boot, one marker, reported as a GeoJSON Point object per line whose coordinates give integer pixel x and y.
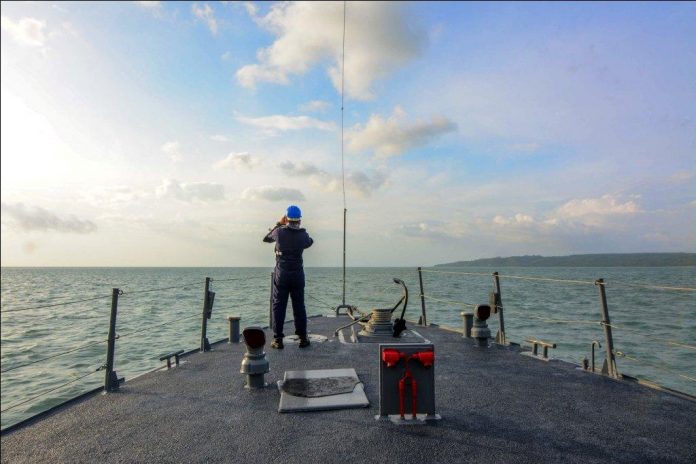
{"type": "Point", "coordinates": [304, 342]}
{"type": "Point", "coordinates": [277, 343]}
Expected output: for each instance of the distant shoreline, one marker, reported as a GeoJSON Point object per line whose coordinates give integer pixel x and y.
{"type": "Point", "coordinates": [586, 260]}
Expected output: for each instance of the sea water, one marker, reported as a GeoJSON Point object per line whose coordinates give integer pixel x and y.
{"type": "Point", "coordinates": [160, 311]}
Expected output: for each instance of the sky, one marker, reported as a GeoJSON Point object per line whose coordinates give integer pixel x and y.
{"type": "Point", "coordinates": [176, 134]}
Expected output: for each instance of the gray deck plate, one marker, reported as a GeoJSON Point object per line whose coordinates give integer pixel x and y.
{"type": "Point", "coordinates": [290, 403]}
{"type": "Point", "coordinates": [496, 407]}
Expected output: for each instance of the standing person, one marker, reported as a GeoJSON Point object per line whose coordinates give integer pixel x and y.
{"type": "Point", "coordinates": [288, 276]}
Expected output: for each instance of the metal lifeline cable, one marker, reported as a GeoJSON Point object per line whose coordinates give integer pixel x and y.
{"type": "Point", "coordinates": [655, 287]}
{"type": "Point", "coordinates": [459, 303]}
{"type": "Point", "coordinates": [547, 279]}
{"type": "Point", "coordinates": [53, 305]}
{"type": "Point", "coordinates": [51, 390]}
{"type": "Point", "coordinates": [53, 356]}
{"type": "Point", "coordinates": [563, 321]}
{"type": "Point", "coordinates": [157, 325]}
{"type": "Point", "coordinates": [683, 345]}
{"type": "Point", "coordinates": [652, 337]}
{"type": "Point", "coordinates": [656, 366]}
{"type": "Point", "coordinates": [457, 272]}
{"type": "Point", "coordinates": [320, 301]}
{"type": "Point", "coordinates": [606, 284]}
{"type": "Point", "coordinates": [137, 292]}
{"type": "Point", "coordinates": [237, 278]}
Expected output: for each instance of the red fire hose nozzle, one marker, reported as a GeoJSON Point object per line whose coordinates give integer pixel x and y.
{"type": "Point", "coordinates": [391, 357]}
{"type": "Point", "coordinates": [425, 357]}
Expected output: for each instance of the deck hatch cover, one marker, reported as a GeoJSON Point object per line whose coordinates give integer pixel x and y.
{"type": "Point", "coordinates": [355, 398]}
{"type": "Point", "coordinates": [312, 388]}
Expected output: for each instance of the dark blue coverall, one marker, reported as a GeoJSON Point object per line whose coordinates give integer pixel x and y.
{"type": "Point", "coordinates": [288, 277]}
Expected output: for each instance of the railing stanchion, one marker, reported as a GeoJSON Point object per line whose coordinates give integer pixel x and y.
{"type": "Point", "coordinates": [110, 377]}
{"type": "Point", "coordinates": [205, 345]}
{"type": "Point", "coordinates": [498, 301]}
{"type": "Point", "coordinates": [423, 318]}
{"type": "Point", "coordinates": [609, 367]}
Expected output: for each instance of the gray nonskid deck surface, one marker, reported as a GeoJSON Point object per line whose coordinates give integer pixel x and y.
{"type": "Point", "coordinates": [497, 406]}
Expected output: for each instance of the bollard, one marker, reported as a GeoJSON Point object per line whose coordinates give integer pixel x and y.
{"type": "Point", "coordinates": [234, 329]}
{"type": "Point", "coordinates": [468, 323]}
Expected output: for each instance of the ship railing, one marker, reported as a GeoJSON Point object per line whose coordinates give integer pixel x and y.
{"type": "Point", "coordinates": [117, 296]}
{"type": "Point", "coordinates": [540, 309]}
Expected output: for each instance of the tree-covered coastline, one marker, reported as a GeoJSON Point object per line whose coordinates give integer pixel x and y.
{"type": "Point", "coordinates": [586, 260]}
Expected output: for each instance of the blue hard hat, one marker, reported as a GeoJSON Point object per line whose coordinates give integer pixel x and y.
{"type": "Point", "coordinates": [294, 213]}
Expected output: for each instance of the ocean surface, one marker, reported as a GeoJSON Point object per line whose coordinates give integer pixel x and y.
{"type": "Point", "coordinates": [160, 311]}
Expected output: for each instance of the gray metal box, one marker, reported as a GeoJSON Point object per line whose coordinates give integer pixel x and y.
{"type": "Point", "coordinates": [389, 377]}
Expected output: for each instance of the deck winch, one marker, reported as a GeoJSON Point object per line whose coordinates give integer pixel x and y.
{"type": "Point", "coordinates": [378, 323]}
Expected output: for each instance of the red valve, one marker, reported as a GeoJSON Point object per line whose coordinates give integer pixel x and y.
{"type": "Point", "coordinates": [391, 357]}
{"type": "Point", "coordinates": [425, 357]}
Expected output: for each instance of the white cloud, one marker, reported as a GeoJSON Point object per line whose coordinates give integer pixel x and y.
{"type": "Point", "coordinates": [206, 14]}
{"type": "Point", "coordinates": [394, 135]}
{"type": "Point", "coordinates": [270, 193]}
{"type": "Point", "coordinates": [431, 230]}
{"type": "Point", "coordinates": [118, 197]}
{"type": "Point", "coordinates": [524, 147]}
{"type": "Point", "coordinates": [517, 219]}
{"type": "Point", "coordinates": [39, 219]}
{"type": "Point", "coordinates": [251, 9]}
{"type": "Point", "coordinates": [683, 176]}
{"type": "Point", "coordinates": [249, 74]}
{"type": "Point", "coordinates": [604, 206]}
{"type": "Point", "coordinates": [237, 161]}
{"type": "Point", "coordinates": [201, 191]}
{"type": "Point", "coordinates": [380, 37]}
{"type": "Point", "coordinates": [581, 214]}
{"type": "Point", "coordinates": [150, 5]}
{"type": "Point", "coordinates": [285, 123]}
{"type": "Point", "coordinates": [365, 183]}
{"type": "Point", "coordinates": [299, 169]}
{"type": "Point", "coordinates": [314, 105]}
{"type": "Point", "coordinates": [219, 138]}
{"type": "Point", "coordinates": [226, 56]}
{"type": "Point", "coordinates": [26, 31]}
{"type": "Point", "coordinates": [362, 183]}
{"type": "Point", "coordinates": [66, 29]}
{"type": "Point", "coordinates": [172, 149]}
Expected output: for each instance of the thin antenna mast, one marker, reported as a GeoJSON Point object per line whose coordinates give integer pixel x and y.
{"type": "Point", "coordinates": [343, 168]}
